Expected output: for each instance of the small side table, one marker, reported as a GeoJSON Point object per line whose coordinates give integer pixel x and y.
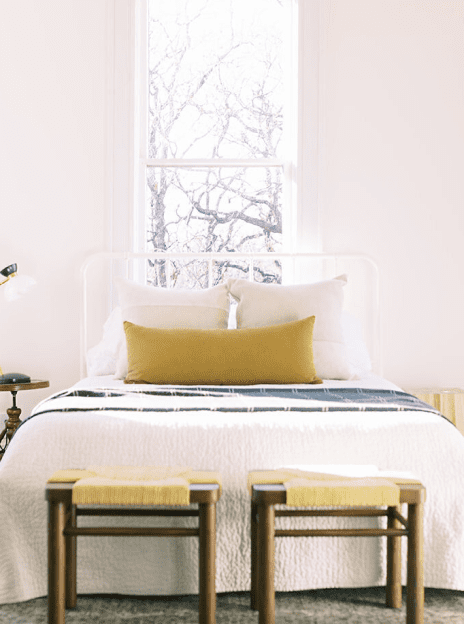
{"type": "Point", "coordinates": [448, 401]}
{"type": "Point", "coordinates": [14, 412]}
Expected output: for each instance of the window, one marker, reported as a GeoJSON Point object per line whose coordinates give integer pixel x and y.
{"type": "Point", "coordinates": [221, 128]}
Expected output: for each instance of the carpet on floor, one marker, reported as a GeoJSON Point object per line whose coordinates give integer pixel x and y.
{"type": "Point", "coordinates": [334, 606]}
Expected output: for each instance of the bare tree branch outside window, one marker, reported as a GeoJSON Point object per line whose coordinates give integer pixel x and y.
{"type": "Point", "coordinates": [215, 92]}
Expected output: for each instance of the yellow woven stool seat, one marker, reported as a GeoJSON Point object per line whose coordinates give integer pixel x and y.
{"type": "Point", "coordinates": [316, 489]}
{"type": "Point", "coordinates": [133, 485]}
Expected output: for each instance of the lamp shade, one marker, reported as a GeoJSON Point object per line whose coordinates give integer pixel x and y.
{"type": "Point", "coordinates": [19, 286]}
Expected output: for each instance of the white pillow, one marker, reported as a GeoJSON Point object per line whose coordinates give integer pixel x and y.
{"type": "Point", "coordinates": [272, 304]}
{"type": "Point", "coordinates": [102, 359]}
{"type": "Point", "coordinates": [170, 308]}
{"type": "Point", "coordinates": [356, 349]}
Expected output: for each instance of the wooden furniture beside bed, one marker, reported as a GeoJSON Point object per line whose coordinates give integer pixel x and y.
{"type": "Point", "coordinates": [448, 401]}
{"type": "Point", "coordinates": [63, 532]}
{"type": "Point", "coordinates": [14, 412]}
{"type": "Point", "coordinates": [263, 533]}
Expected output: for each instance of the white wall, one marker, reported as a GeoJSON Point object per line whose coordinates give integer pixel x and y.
{"type": "Point", "coordinates": [391, 172]}
{"type": "Point", "coordinates": [52, 170]}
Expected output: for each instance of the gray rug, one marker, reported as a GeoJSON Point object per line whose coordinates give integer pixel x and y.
{"type": "Point", "coordinates": [334, 606]}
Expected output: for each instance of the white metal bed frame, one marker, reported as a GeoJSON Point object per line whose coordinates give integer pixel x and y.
{"type": "Point", "coordinates": [316, 265]}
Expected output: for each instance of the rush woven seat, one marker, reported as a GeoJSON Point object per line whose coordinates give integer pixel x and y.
{"type": "Point", "coordinates": [128, 491]}
{"type": "Point", "coordinates": [357, 497]}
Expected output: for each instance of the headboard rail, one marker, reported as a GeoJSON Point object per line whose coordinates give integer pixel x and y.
{"type": "Point", "coordinates": [362, 293]}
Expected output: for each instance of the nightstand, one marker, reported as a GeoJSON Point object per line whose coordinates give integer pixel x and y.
{"type": "Point", "coordinates": [449, 401]}
{"type": "Point", "coordinates": [14, 412]}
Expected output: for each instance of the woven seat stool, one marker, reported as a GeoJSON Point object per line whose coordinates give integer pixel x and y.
{"type": "Point", "coordinates": [348, 502]}
{"type": "Point", "coordinates": [67, 501]}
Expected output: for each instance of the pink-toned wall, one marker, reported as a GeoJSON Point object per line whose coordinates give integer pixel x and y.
{"type": "Point", "coordinates": [392, 181]}
{"type": "Point", "coordinates": [52, 171]}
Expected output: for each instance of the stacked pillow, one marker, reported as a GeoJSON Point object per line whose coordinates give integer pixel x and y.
{"type": "Point", "coordinates": [153, 307]}
{"type": "Point", "coordinates": [272, 304]}
{"type": "Point", "coordinates": [285, 334]}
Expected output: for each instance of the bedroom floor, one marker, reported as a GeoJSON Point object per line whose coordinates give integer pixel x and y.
{"type": "Point", "coordinates": [334, 606]}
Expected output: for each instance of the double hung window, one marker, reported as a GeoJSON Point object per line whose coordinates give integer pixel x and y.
{"type": "Point", "coordinates": [218, 156]}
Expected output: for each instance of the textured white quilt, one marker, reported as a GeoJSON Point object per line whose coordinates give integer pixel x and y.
{"type": "Point", "coordinates": [232, 443]}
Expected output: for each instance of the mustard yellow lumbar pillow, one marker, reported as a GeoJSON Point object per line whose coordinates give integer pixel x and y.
{"type": "Point", "coordinates": [276, 354]}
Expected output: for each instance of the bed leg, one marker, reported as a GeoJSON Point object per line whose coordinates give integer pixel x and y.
{"type": "Point", "coordinates": [56, 562]}
{"type": "Point", "coordinates": [393, 589]}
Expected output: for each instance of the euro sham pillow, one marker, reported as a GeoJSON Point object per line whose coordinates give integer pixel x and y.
{"type": "Point", "coordinates": [280, 354]}
{"type": "Point", "coordinates": [260, 304]}
{"type": "Point", "coordinates": [155, 307]}
{"type": "Point", "coordinates": [357, 351]}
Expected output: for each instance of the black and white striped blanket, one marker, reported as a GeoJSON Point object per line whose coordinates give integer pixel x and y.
{"type": "Point", "coordinates": [230, 399]}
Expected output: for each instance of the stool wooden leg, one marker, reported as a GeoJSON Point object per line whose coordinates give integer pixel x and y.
{"type": "Point", "coordinates": [254, 556]}
{"type": "Point", "coordinates": [415, 599]}
{"type": "Point", "coordinates": [56, 562]}
{"type": "Point", "coordinates": [71, 562]}
{"type": "Point", "coordinates": [207, 552]}
{"type": "Point", "coordinates": [266, 538]}
{"type": "Point", "coordinates": [393, 562]}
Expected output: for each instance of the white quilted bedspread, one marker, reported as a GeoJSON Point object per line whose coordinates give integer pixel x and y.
{"type": "Point", "coordinates": [232, 443]}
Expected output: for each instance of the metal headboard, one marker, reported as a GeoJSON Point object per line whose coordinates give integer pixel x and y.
{"type": "Point", "coordinates": [362, 293]}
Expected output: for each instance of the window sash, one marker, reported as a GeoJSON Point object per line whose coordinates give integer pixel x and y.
{"type": "Point", "coordinates": [288, 198]}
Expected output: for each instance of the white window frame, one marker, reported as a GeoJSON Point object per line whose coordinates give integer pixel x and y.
{"type": "Point", "coordinates": [126, 160]}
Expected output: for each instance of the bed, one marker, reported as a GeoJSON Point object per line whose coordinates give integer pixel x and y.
{"type": "Point", "coordinates": [344, 414]}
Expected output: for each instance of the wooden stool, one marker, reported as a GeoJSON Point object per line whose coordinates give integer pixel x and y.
{"type": "Point", "coordinates": [63, 531]}
{"type": "Point", "coordinates": [263, 533]}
